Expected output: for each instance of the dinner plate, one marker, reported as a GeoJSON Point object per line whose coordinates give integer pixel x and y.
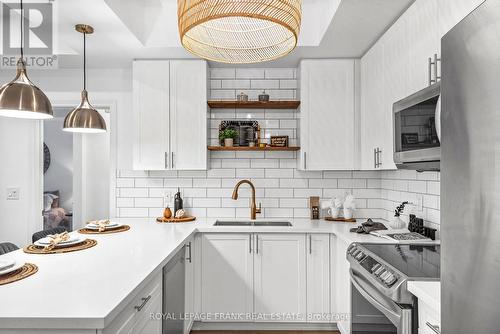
{"type": "Point", "coordinates": [110, 226]}
{"type": "Point", "coordinates": [73, 240]}
{"type": "Point", "coordinates": [15, 267]}
{"type": "Point", "coordinates": [6, 263]}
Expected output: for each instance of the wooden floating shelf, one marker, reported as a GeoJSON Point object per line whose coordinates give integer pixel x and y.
{"type": "Point", "coordinates": [254, 104]}
{"type": "Point", "coordinates": [247, 148]}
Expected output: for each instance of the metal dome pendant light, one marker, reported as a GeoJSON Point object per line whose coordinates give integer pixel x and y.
{"type": "Point", "coordinates": [84, 118]}
{"type": "Point", "coordinates": [20, 98]}
{"type": "Point", "coordinates": [239, 31]}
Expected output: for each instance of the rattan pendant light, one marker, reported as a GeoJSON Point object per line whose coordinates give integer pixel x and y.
{"type": "Point", "coordinates": [20, 98]}
{"type": "Point", "coordinates": [84, 118]}
{"type": "Point", "coordinates": [239, 31]}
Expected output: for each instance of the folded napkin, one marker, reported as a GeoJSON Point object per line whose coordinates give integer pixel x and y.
{"type": "Point", "coordinates": [103, 223]}
{"type": "Point", "coordinates": [55, 239]}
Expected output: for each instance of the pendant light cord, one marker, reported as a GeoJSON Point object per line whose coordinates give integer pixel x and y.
{"type": "Point", "coordinates": [22, 31]}
{"type": "Point", "coordinates": [84, 61]}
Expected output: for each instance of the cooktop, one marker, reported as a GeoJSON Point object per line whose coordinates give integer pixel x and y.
{"type": "Point", "coordinates": [415, 261]}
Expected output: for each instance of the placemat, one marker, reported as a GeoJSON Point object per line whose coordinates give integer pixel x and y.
{"type": "Point", "coordinates": [32, 249]}
{"type": "Point", "coordinates": [119, 229]}
{"type": "Point", "coordinates": [25, 271]}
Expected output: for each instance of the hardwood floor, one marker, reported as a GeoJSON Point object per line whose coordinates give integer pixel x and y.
{"type": "Point", "coordinates": [265, 332]}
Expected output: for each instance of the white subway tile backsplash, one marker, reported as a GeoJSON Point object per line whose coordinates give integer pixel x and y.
{"type": "Point", "coordinates": [250, 73]}
{"type": "Point", "coordinates": [222, 73]}
{"type": "Point", "coordinates": [282, 189]}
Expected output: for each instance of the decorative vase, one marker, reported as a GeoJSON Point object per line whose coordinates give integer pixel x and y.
{"type": "Point", "coordinates": [397, 223]}
{"type": "Point", "coordinates": [228, 142]}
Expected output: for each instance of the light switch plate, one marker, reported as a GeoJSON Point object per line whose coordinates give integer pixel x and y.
{"type": "Point", "coordinates": [13, 194]}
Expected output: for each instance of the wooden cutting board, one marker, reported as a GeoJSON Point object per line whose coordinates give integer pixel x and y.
{"type": "Point", "coordinates": [175, 220]}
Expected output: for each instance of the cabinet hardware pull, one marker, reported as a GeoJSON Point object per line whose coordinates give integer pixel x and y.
{"type": "Point", "coordinates": [436, 75]}
{"type": "Point", "coordinates": [250, 243]}
{"type": "Point", "coordinates": [375, 158]}
{"type": "Point", "coordinates": [257, 244]}
{"type": "Point", "coordinates": [429, 66]}
{"type": "Point", "coordinates": [188, 245]}
{"type": "Point", "coordinates": [310, 244]}
{"type": "Point", "coordinates": [166, 160]}
{"type": "Point", "coordinates": [379, 161]}
{"type": "Point", "coordinates": [172, 160]}
{"type": "Point", "coordinates": [305, 161]}
{"type": "Point", "coordinates": [144, 302]}
{"type": "Point", "coordinates": [435, 328]}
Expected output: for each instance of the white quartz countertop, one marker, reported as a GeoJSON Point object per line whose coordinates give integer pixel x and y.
{"type": "Point", "coordinates": [87, 289]}
{"type": "Point", "coordinates": [427, 292]}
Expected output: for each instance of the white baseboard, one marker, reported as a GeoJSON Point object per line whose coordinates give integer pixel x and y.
{"type": "Point", "coordinates": [233, 326]}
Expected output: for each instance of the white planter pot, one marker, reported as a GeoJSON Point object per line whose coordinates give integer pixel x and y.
{"type": "Point", "coordinates": [228, 142]}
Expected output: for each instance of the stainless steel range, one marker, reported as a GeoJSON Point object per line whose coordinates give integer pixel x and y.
{"type": "Point", "coordinates": [380, 301]}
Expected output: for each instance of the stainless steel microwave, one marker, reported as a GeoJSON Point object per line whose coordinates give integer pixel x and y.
{"type": "Point", "coordinates": [417, 130]}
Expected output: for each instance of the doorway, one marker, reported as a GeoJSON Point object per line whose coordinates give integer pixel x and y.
{"type": "Point", "coordinates": [77, 179]}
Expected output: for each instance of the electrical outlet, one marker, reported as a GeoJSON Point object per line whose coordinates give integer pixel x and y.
{"type": "Point", "coordinates": [13, 194]}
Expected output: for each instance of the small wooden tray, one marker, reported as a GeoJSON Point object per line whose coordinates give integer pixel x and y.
{"type": "Point", "coordinates": [119, 229]}
{"type": "Point", "coordinates": [340, 219]}
{"type": "Point", "coordinates": [175, 220]}
{"type": "Point", "coordinates": [25, 271]}
{"type": "Point", "coordinates": [87, 243]}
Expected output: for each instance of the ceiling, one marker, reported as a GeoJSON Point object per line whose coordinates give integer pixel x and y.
{"type": "Point", "coordinates": [130, 29]}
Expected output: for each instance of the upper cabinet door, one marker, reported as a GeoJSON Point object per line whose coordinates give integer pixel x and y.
{"type": "Point", "coordinates": [423, 34]}
{"type": "Point", "coordinates": [373, 123]}
{"type": "Point", "coordinates": [151, 114]}
{"type": "Point", "coordinates": [280, 274]}
{"type": "Point", "coordinates": [327, 114]}
{"type": "Point", "coordinates": [188, 114]}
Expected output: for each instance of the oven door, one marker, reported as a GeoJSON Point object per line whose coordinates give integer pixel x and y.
{"type": "Point", "coordinates": [373, 312]}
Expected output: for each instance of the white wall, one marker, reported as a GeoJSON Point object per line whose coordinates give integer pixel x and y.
{"type": "Point", "coordinates": [59, 176]}
{"type": "Point", "coordinates": [20, 166]}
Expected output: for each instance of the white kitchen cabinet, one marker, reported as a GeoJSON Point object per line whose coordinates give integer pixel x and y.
{"type": "Point", "coordinates": [428, 318]}
{"type": "Point", "coordinates": [136, 316]}
{"type": "Point", "coordinates": [188, 115]}
{"type": "Point", "coordinates": [318, 277]}
{"type": "Point", "coordinates": [450, 12]}
{"type": "Point", "coordinates": [423, 34]}
{"type": "Point", "coordinates": [151, 101]}
{"type": "Point", "coordinates": [327, 123]}
{"type": "Point", "coordinates": [341, 283]}
{"type": "Point", "coordinates": [189, 286]}
{"type": "Point", "coordinates": [226, 274]}
{"type": "Point", "coordinates": [280, 275]}
{"type": "Point", "coordinates": [373, 120]}
{"type": "Point", "coordinates": [170, 114]}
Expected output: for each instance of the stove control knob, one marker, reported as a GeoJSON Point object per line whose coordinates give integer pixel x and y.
{"type": "Point", "coordinates": [375, 267]}
{"type": "Point", "coordinates": [391, 280]}
{"type": "Point", "coordinates": [360, 256]}
{"type": "Point", "coordinates": [355, 253]}
{"type": "Point", "coordinates": [385, 275]}
{"type": "Point", "coordinates": [379, 271]}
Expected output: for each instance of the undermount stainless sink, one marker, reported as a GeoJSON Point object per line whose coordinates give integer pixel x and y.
{"type": "Point", "coordinates": [251, 223]}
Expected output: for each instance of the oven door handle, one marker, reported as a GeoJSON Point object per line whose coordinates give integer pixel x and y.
{"type": "Point", "coordinates": [363, 288]}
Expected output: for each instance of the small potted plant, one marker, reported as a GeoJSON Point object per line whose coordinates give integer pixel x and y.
{"type": "Point", "coordinates": [228, 136]}
{"type": "Point", "coordinates": [397, 222]}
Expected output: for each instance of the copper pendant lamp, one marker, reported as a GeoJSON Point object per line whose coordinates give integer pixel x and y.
{"type": "Point", "coordinates": [239, 31]}
{"type": "Point", "coordinates": [20, 98]}
{"type": "Point", "coordinates": [84, 118]}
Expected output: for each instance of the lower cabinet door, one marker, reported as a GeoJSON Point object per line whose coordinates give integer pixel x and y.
{"type": "Point", "coordinates": [189, 285]}
{"type": "Point", "coordinates": [144, 324]}
{"type": "Point", "coordinates": [226, 276]}
{"type": "Point", "coordinates": [280, 277]}
{"type": "Point", "coordinates": [318, 278]}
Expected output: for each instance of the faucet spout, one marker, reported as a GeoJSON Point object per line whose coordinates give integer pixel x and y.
{"type": "Point", "coordinates": [253, 207]}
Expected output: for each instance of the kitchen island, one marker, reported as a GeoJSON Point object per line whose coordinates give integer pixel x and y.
{"type": "Point", "coordinates": [84, 291]}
